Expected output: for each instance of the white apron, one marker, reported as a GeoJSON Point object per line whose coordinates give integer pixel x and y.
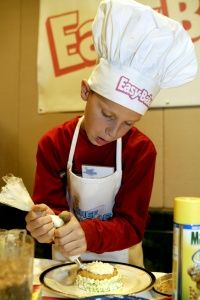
{"type": "Point", "coordinates": [95, 198]}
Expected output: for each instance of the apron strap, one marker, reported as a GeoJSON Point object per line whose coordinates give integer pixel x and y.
{"type": "Point", "coordinates": [74, 141]}
{"type": "Point", "coordinates": [119, 155]}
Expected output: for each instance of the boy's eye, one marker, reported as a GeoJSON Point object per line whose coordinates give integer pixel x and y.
{"type": "Point", "coordinates": [106, 115]}
{"type": "Point", "coordinates": [129, 124]}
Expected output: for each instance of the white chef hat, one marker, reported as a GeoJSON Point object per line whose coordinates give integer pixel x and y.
{"type": "Point", "coordinates": [140, 51]}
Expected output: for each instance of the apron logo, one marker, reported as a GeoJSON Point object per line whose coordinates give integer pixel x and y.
{"type": "Point", "coordinates": [91, 214]}
{"type": "Point", "coordinates": [125, 86]}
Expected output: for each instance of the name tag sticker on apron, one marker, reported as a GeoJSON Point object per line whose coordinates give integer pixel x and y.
{"type": "Point", "coordinates": [96, 171]}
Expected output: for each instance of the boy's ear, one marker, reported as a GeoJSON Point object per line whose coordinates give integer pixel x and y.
{"type": "Point", "coordinates": [85, 89]}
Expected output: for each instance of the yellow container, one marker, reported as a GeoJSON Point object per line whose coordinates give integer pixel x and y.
{"type": "Point", "coordinates": [186, 248]}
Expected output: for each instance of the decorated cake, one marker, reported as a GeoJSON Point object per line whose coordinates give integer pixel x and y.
{"type": "Point", "coordinates": [98, 276]}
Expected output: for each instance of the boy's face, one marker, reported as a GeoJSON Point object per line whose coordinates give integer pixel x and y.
{"type": "Point", "coordinates": [105, 121]}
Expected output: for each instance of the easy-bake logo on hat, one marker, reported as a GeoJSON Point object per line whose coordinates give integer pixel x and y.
{"type": "Point", "coordinates": [125, 86]}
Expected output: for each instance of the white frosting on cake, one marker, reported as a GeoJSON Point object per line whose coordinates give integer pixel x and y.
{"type": "Point", "coordinates": [98, 267]}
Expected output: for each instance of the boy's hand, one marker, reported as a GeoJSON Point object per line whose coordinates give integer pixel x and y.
{"type": "Point", "coordinates": [39, 223]}
{"type": "Point", "coordinates": [70, 237]}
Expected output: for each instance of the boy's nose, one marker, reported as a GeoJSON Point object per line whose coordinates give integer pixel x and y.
{"type": "Point", "coordinates": [112, 131]}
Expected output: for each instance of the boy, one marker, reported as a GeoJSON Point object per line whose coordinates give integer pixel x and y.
{"type": "Point", "coordinates": [105, 215]}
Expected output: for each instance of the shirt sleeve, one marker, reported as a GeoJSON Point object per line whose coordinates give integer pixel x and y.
{"type": "Point", "coordinates": [50, 175]}
{"type": "Point", "coordinates": [130, 213]}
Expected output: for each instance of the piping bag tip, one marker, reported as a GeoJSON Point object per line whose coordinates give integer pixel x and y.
{"type": "Point", "coordinates": [78, 261]}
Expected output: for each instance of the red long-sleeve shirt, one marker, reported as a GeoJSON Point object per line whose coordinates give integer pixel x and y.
{"type": "Point", "coordinates": [130, 211]}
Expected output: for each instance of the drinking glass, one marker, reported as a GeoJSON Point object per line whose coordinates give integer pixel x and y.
{"type": "Point", "coordinates": [16, 265]}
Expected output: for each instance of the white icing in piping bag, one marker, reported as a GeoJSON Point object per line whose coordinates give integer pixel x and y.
{"type": "Point", "coordinates": [57, 221]}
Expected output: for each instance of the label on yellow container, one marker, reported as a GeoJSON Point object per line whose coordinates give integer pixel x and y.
{"type": "Point", "coordinates": [186, 262]}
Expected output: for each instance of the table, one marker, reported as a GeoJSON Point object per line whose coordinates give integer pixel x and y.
{"type": "Point", "coordinates": [41, 264]}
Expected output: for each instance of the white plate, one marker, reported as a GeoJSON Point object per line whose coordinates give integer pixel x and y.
{"type": "Point", "coordinates": [40, 265]}
{"type": "Point", "coordinates": [135, 280]}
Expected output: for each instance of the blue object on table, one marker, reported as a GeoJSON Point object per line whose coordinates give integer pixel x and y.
{"type": "Point", "coordinates": [115, 298]}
